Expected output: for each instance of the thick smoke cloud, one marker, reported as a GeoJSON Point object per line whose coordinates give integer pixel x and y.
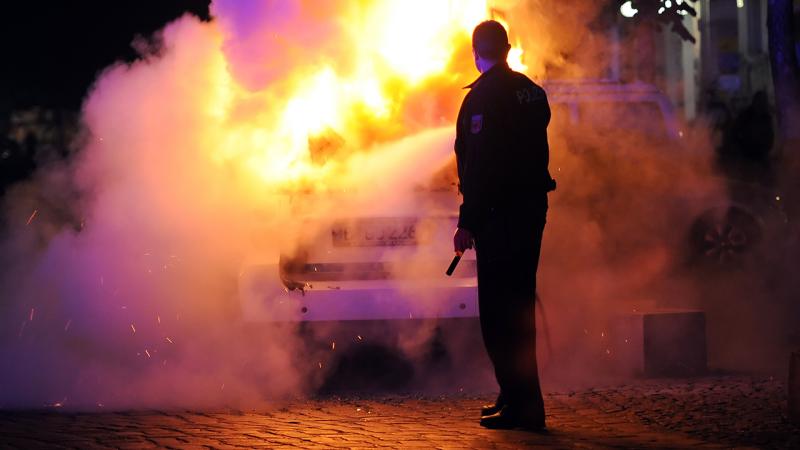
{"type": "Point", "coordinates": [129, 302]}
{"type": "Point", "coordinates": [263, 38]}
{"type": "Point", "coordinates": [121, 288]}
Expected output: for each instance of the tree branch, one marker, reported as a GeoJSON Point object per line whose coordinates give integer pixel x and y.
{"type": "Point", "coordinates": [656, 11]}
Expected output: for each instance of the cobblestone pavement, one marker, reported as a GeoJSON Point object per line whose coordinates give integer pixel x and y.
{"type": "Point", "coordinates": [714, 412]}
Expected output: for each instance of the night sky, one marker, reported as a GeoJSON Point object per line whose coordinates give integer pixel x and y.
{"type": "Point", "coordinates": [53, 50]}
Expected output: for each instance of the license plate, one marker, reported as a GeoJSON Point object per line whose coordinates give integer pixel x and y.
{"type": "Point", "coordinates": [379, 232]}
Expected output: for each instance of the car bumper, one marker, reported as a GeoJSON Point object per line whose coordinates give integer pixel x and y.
{"type": "Point", "coordinates": [265, 299]}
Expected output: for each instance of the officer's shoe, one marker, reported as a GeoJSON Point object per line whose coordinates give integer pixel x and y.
{"type": "Point", "coordinates": [509, 419]}
{"type": "Point", "coordinates": [488, 410]}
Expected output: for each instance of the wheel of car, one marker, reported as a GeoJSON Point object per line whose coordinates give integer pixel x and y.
{"type": "Point", "coordinates": [724, 235]}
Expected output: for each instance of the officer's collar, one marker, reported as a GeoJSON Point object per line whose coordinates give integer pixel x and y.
{"type": "Point", "coordinates": [499, 67]}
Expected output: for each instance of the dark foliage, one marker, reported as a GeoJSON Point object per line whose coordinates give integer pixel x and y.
{"type": "Point", "coordinates": [656, 11]}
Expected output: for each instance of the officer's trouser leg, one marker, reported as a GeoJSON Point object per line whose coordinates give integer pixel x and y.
{"type": "Point", "coordinates": [506, 291]}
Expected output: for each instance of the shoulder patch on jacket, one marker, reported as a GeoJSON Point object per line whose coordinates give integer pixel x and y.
{"type": "Point", "coordinates": [477, 124]}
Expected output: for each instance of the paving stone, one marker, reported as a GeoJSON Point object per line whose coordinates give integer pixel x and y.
{"type": "Point", "coordinates": [709, 412]}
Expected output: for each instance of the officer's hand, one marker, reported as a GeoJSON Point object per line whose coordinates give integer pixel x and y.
{"type": "Point", "coordinates": [463, 240]}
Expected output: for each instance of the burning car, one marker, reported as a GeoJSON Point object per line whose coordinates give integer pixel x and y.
{"type": "Point", "coordinates": [621, 159]}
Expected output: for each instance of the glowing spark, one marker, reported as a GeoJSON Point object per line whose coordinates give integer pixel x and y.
{"type": "Point", "coordinates": [360, 338]}
{"type": "Point", "coordinates": [778, 198]}
{"type": "Point", "coordinates": [169, 340]}
{"type": "Point", "coordinates": [147, 352]}
{"type": "Point", "coordinates": [602, 334]}
{"type": "Point", "coordinates": [133, 328]}
{"type": "Point", "coordinates": [608, 352]}
{"type": "Point", "coordinates": [31, 316]}
{"type": "Point", "coordinates": [333, 345]}
{"type": "Point", "coordinates": [69, 322]}
{"type": "Point", "coordinates": [33, 216]}
{"type": "Point", "coordinates": [320, 364]}
{"type": "Point", "coordinates": [158, 319]}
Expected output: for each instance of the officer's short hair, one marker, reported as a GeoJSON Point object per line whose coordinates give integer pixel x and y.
{"type": "Point", "coordinates": [490, 40]}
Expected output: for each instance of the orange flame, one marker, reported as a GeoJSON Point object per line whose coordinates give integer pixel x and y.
{"type": "Point", "coordinates": [415, 58]}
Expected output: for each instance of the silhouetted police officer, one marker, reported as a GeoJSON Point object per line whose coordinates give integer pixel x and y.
{"type": "Point", "coordinates": [502, 153]}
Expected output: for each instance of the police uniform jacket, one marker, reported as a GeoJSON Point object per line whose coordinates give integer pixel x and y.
{"type": "Point", "coordinates": [501, 146]}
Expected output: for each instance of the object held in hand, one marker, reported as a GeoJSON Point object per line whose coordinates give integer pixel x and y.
{"type": "Point", "coordinates": [453, 264]}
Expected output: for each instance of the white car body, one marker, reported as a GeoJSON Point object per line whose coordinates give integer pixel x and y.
{"type": "Point", "coordinates": [374, 263]}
